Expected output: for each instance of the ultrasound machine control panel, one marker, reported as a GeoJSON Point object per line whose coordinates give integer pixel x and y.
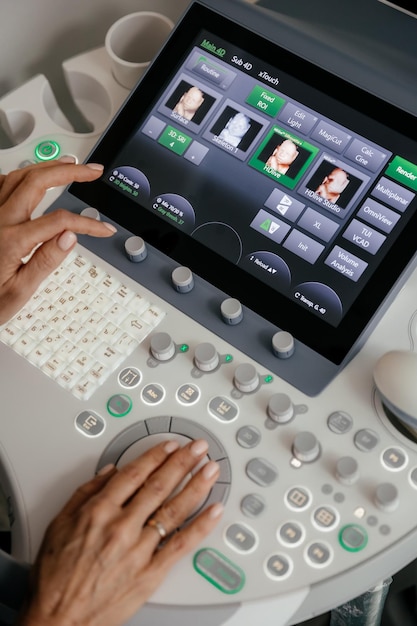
{"type": "Point", "coordinates": [259, 292]}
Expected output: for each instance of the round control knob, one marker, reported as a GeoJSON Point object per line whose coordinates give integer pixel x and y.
{"type": "Point", "coordinates": [386, 497]}
{"type": "Point", "coordinates": [162, 347]}
{"type": "Point", "coordinates": [136, 250]}
{"type": "Point", "coordinates": [182, 279]}
{"type": "Point", "coordinates": [283, 344]}
{"type": "Point", "coordinates": [206, 357]}
{"type": "Point", "coordinates": [232, 312]}
{"type": "Point", "coordinates": [246, 378]}
{"type": "Point", "coordinates": [280, 408]}
{"type": "Point", "coordinates": [347, 471]}
{"type": "Point", "coordinates": [306, 447]}
{"type": "Point", "coordinates": [91, 212]}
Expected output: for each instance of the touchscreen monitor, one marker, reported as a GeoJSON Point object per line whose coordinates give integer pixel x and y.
{"type": "Point", "coordinates": [276, 181]}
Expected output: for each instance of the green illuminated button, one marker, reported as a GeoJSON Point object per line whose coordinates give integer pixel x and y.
{"type": "Point", "coordinates": [219, 571]}
{"type": "Point", "coordinates": [353, 538]}
{"type": "Point", "coordinates": [175, 140]}
{"type": "Point", "coordinates": [266, 101]}
{"type": "Point", "coordinates": [47, 150]}
{"type": "Point", "coordinates": [119, 405]}
{"type": "Point", "coordinates": [404, 172]}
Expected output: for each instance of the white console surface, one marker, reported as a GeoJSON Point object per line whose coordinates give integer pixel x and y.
{"type": "Point", "coordinates": [320, 501]}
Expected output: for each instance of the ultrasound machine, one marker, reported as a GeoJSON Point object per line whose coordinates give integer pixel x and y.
{"type": "Point", "coordinates": [260, 293]}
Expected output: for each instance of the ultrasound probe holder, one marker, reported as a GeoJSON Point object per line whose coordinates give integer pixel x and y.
{"type": "Point", "coordinates": [99, 97]}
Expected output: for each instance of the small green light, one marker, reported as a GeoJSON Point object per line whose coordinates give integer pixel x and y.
{"type": "Point", "coordinates": [228, 358]}
{"type": "Point", "coordinates": [184, 348]}
{"type": "Point", "coordinates": [268, 379]}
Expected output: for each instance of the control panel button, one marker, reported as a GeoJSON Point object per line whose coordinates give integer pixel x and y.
{"type": "Point", "coordinates": [90, 423]}
{"type": "Point", "coordinates": [91, 212]}
{"type": "Point", "coordinates": [291, 534]}
{"type": "Point", "coordinates": [252, 505]}
{"type": "Point", "coordinates": [119, 405]}
{"type": "Point", "coordinates": [261, 472]}
{"type": "Point", "coordinates": [206, 357]}
{"type": "Point", "coordinates": [136, 250]}
{"type": "Point", "coordinates": [182, 279]}
{"type": "Point", "coordinates": [319, 554]}
{"type": "Point", "coordinates": [280, 408]}
{"type": "Point", "coordinates": [278, 567]}
{"type": "Point", "coordinates": [248, 437]}
{"type": "Point", "coordinates": [219, 571]}
{"type": "Point", "coordinates": [246, 378]}
{"type": "Point", "coordinates": [241, 538]}
{"type": "Point", "coordinates": [223, 409]}
{"type": "Point", "coordinates": [306, 447]}
{"type": "Point", "coordinates": [231, 311]}
{"type": "Point", "coordinates": [283, 344]}
{"type": "Point", "coordinates": [188, 394]}
{"type": "Point", "coordinates": [47, 150]}
{"type": "Point", "coordinates": [353, 538]}
{"type": "Point", "coordinates": [162, 347]}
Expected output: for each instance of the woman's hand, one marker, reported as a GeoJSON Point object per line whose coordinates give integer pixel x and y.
{"type": "Point", "coordinates": [101, 560]}
{"type": "Point", "coordinates": [54, 234]}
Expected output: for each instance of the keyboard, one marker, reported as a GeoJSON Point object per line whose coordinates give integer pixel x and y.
{"type": "Point", "coordinates": [80, 325]}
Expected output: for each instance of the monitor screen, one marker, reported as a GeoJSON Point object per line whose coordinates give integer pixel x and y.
{"type": "Point", "coordinates": [273, 179]}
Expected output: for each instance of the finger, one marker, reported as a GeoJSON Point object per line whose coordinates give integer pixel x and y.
{"type": "Point", "coordinates": [21, 198]}
{"type": "Point", "coordinates": [132, 476]}
{"type": "Point", "coordinates": [46, 227]}
{"type": "Point", "coordinates": [9, 182]}
{"type": "Point", "coordinates": [174, 512]}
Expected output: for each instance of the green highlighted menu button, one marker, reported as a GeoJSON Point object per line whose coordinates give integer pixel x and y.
{"type": "Point", "coordinates": [266, 101]}
{"type": "Point", "coordinates": [404, 172]}
{"type": "Point", "coordinates": [175, 140]}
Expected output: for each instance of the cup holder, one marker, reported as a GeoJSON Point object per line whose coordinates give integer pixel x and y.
{"type": "Point", "coordinates": [90, 98]}
{"type": "Point", "coordinates": [15, 127]}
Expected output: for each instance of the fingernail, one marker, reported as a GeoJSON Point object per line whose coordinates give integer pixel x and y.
{"type": "Point", "coordinates": [216, 510]}
{"type": "Point", "coordinates": [95, 166]}
{"type": "Point", "coordinates": [112, 228]}
{"type": "Point", "coordinates": [171, 446]}
{"type": "Point", "coordinates": [210, 469]}
{"type": "Point", "coordinates": [67, 240]}
{"type": "Point", "coordinates": [67, 159]}
{"type": "Point", "coordinates": [106, 469]}
{"type": "Point", "coordinates": [198, 447]}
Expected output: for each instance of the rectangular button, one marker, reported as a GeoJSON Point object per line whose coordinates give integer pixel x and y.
{"type": "Point", "coordinates": [266, 101]}
{"type": "Point", "coordinates": [269, 226]}
{"type": "Point", "coordinates": [378, 215]}
{"type": "Point", "coordinates": [346, 263]}
{"type": "Point", "coordinates": [393, 194]}
{"type": "Point", "coordinates": [303, 246]}
{"type": "Point", "coordinates": [334, 138]}
{"type": "Point", "coordinates": [363, 236]}
{"type": "Point", "coordinates": [297, 118]}
{"type": "Point", "coordinates": [285, 205]}
{"type": "Point", "coordinates": [403, 171]}
{"type": "Point", "coordinates": [318, 225]}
